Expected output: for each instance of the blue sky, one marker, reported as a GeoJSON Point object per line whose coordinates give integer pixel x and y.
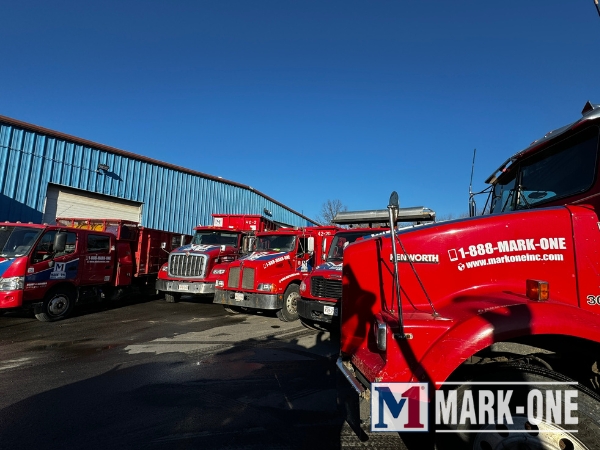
{"type": "Point", "coordinates": [307, 100]}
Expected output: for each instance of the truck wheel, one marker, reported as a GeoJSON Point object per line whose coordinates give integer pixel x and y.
{"type": "Point", "coordinates": [289, 312]}
{"type": "Point", "coordinates": [172, 297]}
{"type": "Point", "coordinates": [545, 435]}
{"type": "Point", "coordinates": [57, 305]}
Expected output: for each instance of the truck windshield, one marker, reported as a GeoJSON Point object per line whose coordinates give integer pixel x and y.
{"type": "Point", "coordinates": [276, 243]}
{"type": "Point", "coordinates": [215, 238]}
{"type": "Point", "coordinates": [340, 241]}
{"type": "Point", "coordinates": [564, 169]}
{"type": "Point", "coordinates": [17, 241]}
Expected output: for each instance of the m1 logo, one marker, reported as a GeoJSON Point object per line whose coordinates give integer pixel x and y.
{"type": "Point", "coordinates": [59, 271]}
{"type": "Point", "coordinates": [399, 407]}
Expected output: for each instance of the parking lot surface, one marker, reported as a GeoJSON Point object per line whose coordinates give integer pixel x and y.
{"type": "Point", "coordinates": [150, 374]}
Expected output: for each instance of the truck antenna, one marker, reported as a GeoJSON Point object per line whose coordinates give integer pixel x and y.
{"type": "Point", "coordinates": [472, 204]}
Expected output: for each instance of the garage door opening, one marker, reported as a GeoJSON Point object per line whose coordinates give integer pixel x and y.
{"type": "Point", "coordinates": [62, 201]}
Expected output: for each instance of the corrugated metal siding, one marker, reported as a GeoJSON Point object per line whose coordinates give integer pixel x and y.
{"type": "Point", "coordinates": [173, 200]}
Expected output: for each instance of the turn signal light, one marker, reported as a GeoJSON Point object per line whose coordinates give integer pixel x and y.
{"type": "Point", "coordinates": [538, 290]}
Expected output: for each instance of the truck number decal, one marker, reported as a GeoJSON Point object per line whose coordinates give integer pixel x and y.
{"type": "Point", "coordinates": [593, 300]}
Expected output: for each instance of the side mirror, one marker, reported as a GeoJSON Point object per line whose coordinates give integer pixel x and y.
{"type": "Point", "coordinates": [163, 245]}
{"type": "Point", "coordinates": [60, 242]}
{"type": "Point", "coordinates": [324, 244]}
{"type": "Point", "coordinates": [248, 244]}
{"type": "Point", "coordinates": [182, 240]}
{"type": "Point", "coordinates": [310, 244]}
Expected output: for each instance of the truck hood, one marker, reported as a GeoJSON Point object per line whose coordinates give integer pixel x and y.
{"type": "Point", "coordinates": [195, 248]}
{"type": "Point", "coordinates": [266, 256]}
{"type": "Point", "coordinates": [4, 264]}
{"type": "Point", "coordinates": [329, 269]}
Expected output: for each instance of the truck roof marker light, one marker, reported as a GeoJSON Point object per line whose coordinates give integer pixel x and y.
{"type": "Point", "coordinates": [538, 290]}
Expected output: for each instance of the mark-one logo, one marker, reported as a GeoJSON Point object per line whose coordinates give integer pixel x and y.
{"type": "Point", "coordinates": [405, 406]}
{"type": "Point", "coordinates": [59, 271]}
{"type": "Point", "coordinates": [399, 407]}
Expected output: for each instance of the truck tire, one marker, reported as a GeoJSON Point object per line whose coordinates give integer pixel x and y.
{"type": "Point", "coordinates": [545, 435]}
{"type": "Point", "coordinates": [172, 297]}
{"type": "Point", "coordinates": [289, 312]}
{"type": "Point", "coordinates": [56, 306]}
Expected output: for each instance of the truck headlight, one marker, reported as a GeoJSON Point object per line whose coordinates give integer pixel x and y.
{"type": "Point", "coordinates": [218, 271]}
{"type": "Point", "coordinates": [11, 284]}
{"type": "Point", "coordinates": [269, 287]}
{"type": "Point", "coordinates": [219, 283]}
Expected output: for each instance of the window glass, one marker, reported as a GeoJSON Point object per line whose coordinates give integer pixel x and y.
{"type": "Point", "coordinates": [98, 244]}
{"type": "Point", "coordinates": [564, 169]}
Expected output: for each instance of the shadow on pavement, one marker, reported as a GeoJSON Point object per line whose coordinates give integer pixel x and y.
{"type": "Point", "coordinates": [257, 394]}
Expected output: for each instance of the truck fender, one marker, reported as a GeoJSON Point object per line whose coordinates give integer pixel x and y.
{"type": "Point", "coordinates": [485, 328]}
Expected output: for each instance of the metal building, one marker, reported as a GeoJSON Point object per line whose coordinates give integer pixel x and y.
{"type": "Point", "coordinates": [45, 174]}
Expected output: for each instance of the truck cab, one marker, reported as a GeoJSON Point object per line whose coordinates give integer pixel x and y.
{"type": "Point", "coordinates": [507, 296]}
{"type": "Point", "coordinates": [48, 268]}
{"type": "Point", "coordinates": [270, 276]}
{"type": "Point", "coordinates": [321, 290]}
{"type": "Point", "coordinates": [193, 268]}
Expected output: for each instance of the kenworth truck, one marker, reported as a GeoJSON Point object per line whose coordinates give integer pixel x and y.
{"type": "Point", "coordinates": [270, 276]}
{"type": "Point", "coordinates": [49, 268]}
{"type": "Point", "coordinates": [193, 268]}
{"type": "Point", "coordinates": [321, 290]}
{"type": "Point", "coordinates": [510, 296]}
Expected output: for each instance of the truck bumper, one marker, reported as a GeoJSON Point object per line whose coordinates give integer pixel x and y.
{"type": "Point", "coordinates": [185, 287]}
{"type": "Point", "coordinates": [354, 398]}
{"type": "Point", "coordinates": [11, 299]}
{"type": "Point", "coordinates": [315, 310]}
{"type": "Point", "coordinates": [251, 300]}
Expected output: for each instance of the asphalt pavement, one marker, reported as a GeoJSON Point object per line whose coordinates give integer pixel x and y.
{"type": "Point", "coordinates": [150, 374]}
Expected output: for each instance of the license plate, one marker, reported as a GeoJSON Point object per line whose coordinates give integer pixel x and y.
{"type": "Point", "coordinates": [239, 296]}
{"type": "Point", "coordinates": [184, 287]}
{"type": "Point", "coordinates": [330, 311]}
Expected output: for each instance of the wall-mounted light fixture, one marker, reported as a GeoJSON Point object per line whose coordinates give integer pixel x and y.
{"type": "Point", "coordinates": [103, 168]}
{"type": "Point", "coordinates": [267, 212]}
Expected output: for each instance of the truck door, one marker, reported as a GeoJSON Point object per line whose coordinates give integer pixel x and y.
{"type": "Point", "coordinates": [99, 259]}
{"type": "Point", "coordinates": [48, 267]}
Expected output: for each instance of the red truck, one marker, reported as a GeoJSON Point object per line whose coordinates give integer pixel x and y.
{"type": "Point", "coordinates": [269, 277]}
{"type": "Point", "coordinates": [508, 297]}
{"type": "Point", "coordinates": [51, 267]}
{"type": "Point", "coordinates": [321, 290]}
{"type": "Point", "coordinates": [193, 268]}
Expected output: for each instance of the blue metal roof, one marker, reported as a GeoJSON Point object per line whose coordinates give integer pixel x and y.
{"type": "Point", "coordinates": [174, 198]}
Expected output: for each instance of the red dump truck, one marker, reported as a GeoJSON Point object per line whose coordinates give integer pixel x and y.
{"type": "Point", "coordinates": [321, 290]}
{"type": "Point", "coordinates": [269, 277]}
{"type": "Point", "coordinates": [493, 320]}
{"type": "Point", "coordinates": [49, 268]}
{"type": "Point", "coordinates": [193, 268]}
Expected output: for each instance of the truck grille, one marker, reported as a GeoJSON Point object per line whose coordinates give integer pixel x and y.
{"type": "Point", "coordinates": [325, 288]}
{"type": "Point", "coordinates": [187, 266]}
{"type": "Point", "coordinates": [234, 277]}
{"type": "Point", "coordinates": [248, 279]}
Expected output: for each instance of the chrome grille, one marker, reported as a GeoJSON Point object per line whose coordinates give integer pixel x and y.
{"type": "Point", "coordinates": [234, 277]}
{"type": "Point", "coordinates": [325, 288]}
{"type": "Point", "coordinates": [248, 279]}
{"type": "Point", "coordinates": [188, 266]}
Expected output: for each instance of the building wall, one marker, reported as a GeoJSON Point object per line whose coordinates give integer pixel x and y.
{"type": "Point", "coordinates": [174, 199]}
